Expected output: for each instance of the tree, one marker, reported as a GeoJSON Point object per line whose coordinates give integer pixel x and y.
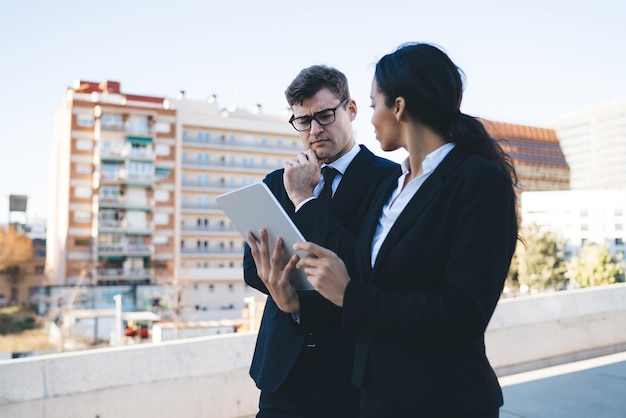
{"type": "Point", "coordinates": [15, 249]}
{"type": "Point", "coordinates": [594, 265]}
{"type": "Point", "coordinates": [538, 261]}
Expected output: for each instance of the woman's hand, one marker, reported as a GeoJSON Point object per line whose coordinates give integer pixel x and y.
{"type": "Point", "coordinates": [325, 270]}
{"type": "Point", "coordinates": [275, 271]}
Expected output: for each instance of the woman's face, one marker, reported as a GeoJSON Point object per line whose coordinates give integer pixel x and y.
{"type": "Point", "coordinates": [386, 125]}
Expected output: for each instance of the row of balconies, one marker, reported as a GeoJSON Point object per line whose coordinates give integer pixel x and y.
{"type": "Point", "coordinates": [282, 145]}
{"type": "Point", "coordinates": [208, 228]}
{"type": "Point", "coordinates": [223, 165]}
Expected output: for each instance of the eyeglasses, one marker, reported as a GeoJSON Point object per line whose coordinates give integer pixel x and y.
{"type": "Point", "coordinates": [323, 117]}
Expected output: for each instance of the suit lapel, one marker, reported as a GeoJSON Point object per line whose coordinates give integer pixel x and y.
{"type": "Point", "coordinates": [433, 185]}
{"type": "Point", "coordinates": [353, 179]}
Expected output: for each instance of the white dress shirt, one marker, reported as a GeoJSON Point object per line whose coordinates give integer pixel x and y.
{"type": "Point", "coordinates": [403, 194]}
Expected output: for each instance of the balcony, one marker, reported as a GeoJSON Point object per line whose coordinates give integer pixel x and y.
{"type": "Point", "coordinates": [229, 166]}
{"type": "Point", "coordinates": [288, 147]}
{"type": "Point", "coordinates": [111, 225]}
{"type": "Point", "coordinates": [208, 229]}
{"type": "Point", "coordinates": [124, 274]}
{"type": "Point", "coordinates": [122, 202]}
{"type": "Point", "coordinates": [199, 207]}
{"type": "Point", "coordinates": [195, 185]}
{"type": "Point", "coordinates": [124, 249]}
{"type": "Point", "coordinates": [122, 176]}
{"type": "Point", "coordinates": [208, 252]}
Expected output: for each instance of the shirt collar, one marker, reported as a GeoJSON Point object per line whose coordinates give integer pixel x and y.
{"type": "Point", "coordinates": [341, 164]}
{"type": "Point", "coordinates": [432, 160]}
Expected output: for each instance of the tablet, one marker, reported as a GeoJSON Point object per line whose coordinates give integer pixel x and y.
{"type": "Point", "coordinates": [254, 207]}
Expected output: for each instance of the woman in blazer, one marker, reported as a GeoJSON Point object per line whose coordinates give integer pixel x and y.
{"type": "Point", "coordinates": [420, 283]}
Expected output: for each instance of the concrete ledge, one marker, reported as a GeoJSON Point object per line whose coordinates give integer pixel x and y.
{"type": "Point", "coordinates": [195, 377]}
{"type": "Point", "coordinates": [534, 332]}
{"type": "Point", "coordinates": [208, 376]}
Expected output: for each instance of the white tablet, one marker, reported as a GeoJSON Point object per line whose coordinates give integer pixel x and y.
{"type": "Point", "coordinates": [254, 207]}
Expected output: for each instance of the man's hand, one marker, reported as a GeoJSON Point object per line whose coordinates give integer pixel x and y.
{"type": "Point", "coordinates": [302, 174]}
{"type": "Point", "coordinates": [275, 271]}
{"type": "Point", "coordinates": [325, 270]}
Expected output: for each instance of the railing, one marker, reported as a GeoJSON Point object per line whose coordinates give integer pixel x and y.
{"type": "Point", "coordinates": [120, 272]}
{"type": "Point", "coordinates": [285, 145]}
{"type": "Point", "coordinates": [211, 251]}
{"type": "Point", "coordinates": [223, 164]}
{"type": "Point", "coordinates": [207, 228]}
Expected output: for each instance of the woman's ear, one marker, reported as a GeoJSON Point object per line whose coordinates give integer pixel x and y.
{"type": "Point", "coordinates": [399, 107]}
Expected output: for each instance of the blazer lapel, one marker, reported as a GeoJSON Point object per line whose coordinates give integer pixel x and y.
{"type": "Point", "coordinates": [433, 185]}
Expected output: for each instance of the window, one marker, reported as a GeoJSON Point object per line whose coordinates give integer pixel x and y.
{"type": "Point", "coordinates": [83, 168]}
{"type": "Point", "coordinates": [138, 124]}
{"type": "Point", "coordinates": [160, 241]}
{"type": "Point", "coordinates": [619, 241]}
{"type": "Point", "coordinates": [82, 217]}
{"type": "Point", "coordinates": [82, 192]}
{"type": "Point", "coordinates": [162, 149]}
{"type": "Point", "coordinates": [39, 269]}
{"type": "Point", "coordinates": [161, 195]}
{"type": "Point", "coordinates": [619, 227]}
{"type": "Point", "coordinates": [82, 242]}
{"type": "Point", "coordinates": [84, 119]}
{"type": "Point", "coordinates": [112, 121]}
{"type": "Point", "coordinates": [162, 127]}
{"type": "Point", "coordinates": [84, 144]}
{"type": "Point", "coordinates": [161, 218]}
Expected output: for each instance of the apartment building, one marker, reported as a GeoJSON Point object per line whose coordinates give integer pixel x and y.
{"type": "Point", "coordinates": [134, 184]}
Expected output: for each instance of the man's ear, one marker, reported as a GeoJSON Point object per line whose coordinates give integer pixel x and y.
{"type": "Point", "coordinates": [399, 108]}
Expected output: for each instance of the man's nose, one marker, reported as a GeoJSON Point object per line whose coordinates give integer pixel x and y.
{"type": "Point", "coordinates": [316, 128]}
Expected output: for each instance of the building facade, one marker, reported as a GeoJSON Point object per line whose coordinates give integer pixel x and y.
{"type": "Point", "coordinates": [594, 143]}
{"type": "Point", "coordinates": [579, 217]}
{"type": "Point", "coordinates": [536, 152]}
{"type": "Point", "coordinates": [134, 184]}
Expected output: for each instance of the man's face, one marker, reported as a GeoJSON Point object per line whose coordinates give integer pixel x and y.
{"type": "Point", "coordinates": [331, 141]}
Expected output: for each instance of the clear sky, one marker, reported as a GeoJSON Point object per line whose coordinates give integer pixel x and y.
{"type": "Point", "coordinates": [527, 62]}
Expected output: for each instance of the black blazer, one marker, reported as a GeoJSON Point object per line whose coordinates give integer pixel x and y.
{"type": "Point", "coordinates": [279, 339]}
{"type": "Point", "coordinates": [422, 311]}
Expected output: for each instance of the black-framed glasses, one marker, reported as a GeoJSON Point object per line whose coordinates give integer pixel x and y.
{"type": "Point", "coordinates": [323, 117]}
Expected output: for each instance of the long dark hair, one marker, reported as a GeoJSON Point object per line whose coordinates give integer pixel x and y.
{"type": "Point", "coordinates": [432, 87]}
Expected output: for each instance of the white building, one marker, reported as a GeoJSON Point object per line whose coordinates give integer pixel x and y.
{"type": "Point", "coordinates": [579, 216]}
{"type": "Point", "coordinates": [594, 143]}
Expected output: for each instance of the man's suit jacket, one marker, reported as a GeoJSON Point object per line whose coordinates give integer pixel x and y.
{"type": "Point", "coordinates": [279, 339]}
{"type": "Point", "coordinates": [422, 311]}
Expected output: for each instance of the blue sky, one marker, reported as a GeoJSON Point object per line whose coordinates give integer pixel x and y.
{"type": "Point", "coordinates": [526, 62]}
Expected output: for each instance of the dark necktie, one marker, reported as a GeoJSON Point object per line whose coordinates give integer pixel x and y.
{"type": "Point", "coordinates": [327, 190]}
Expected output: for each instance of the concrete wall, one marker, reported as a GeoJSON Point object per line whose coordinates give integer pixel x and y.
{"type": "Point", "coordinates": [208, 376]}
{"type": "Point", "coordinates": [531, 332]}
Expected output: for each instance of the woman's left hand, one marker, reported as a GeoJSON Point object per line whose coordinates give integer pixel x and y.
{"type": "Point", "coordinates": [325, 270]}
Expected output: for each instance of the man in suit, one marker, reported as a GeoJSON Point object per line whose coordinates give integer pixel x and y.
{"type": "Point", "coordinates": [304, 371]}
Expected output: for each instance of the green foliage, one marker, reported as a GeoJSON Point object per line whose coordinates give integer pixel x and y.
{"type": "Point", "coordinates": [594, 266]}
{"type": "Point", "coordinates": [538, 260]}
{"type": "Point", "coordinates": [16, 320]}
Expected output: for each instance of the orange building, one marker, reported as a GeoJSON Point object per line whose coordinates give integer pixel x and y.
{"type": "Point", "coordinates": [536, 153]}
